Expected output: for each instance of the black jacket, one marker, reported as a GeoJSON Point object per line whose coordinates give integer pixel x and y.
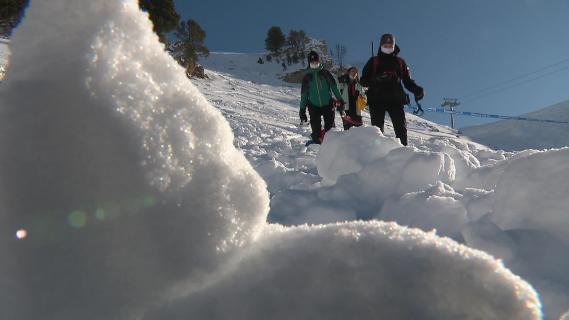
{"type": "Point", "coordinates": [383, 75]}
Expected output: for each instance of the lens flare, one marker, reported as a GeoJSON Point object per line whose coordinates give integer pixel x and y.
{"type": "Point", "coordinates": [100, 214]}
{"type": "Point", "coordinates": [77, 219]}
{"type": "Point", "coordinates": [21, 234]}
{"type": "Point", "coordinates": [149, 202]}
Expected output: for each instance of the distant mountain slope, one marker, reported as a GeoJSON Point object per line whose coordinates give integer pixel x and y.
{"type": "Point", "coordinates": [244, 66]}
{"type": "Point", "coordinates": [513, 135]}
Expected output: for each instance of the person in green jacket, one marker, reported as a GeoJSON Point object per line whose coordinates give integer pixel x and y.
{"type": "Point", "coordinates": [318, 87]}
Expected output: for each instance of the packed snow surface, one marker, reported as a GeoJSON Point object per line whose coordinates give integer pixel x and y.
{"type": "Point", "coordinates": [139, 202]}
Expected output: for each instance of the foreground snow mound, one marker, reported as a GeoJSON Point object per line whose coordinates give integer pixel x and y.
{"type": "Point", "coordinates": [361, 270]}
{"type": "Point", "coordinates": [124, 177]}
{"type": "Point", "coordinates": [121, 191]}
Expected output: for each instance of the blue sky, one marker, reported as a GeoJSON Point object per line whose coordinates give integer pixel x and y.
{"type": "Point", "coordinates": [454, 47]}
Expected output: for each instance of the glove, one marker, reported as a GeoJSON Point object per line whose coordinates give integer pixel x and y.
{"type": "Point", "coordinates": [302, 115]}
{"type": "Point", "coordinates": [420, 95]}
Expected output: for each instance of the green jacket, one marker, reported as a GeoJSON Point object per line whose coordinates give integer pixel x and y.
{"type": "Point", "coordinates": [317, 88]}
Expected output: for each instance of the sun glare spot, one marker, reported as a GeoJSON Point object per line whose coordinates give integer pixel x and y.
{"type": "Point", "coordinates": [21, 234]}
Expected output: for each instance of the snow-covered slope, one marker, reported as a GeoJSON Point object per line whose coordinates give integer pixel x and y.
{"type": "Point", "coordinates": [263, 112]}
{"type": "Point", "coordinates": [461, 189]}
{"type": "Point", "coordinates": [244, 66]}
{"type": "Point", "coordinates": [138, 205]}
{"type": "Point", "coordinates": [520, 135]}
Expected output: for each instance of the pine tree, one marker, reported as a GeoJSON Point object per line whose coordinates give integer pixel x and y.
{"type": "Point", "coordinates": [162, 14]}
{"type": "Point", "coordinates": [297, 41]}
{"type": "Point", "coordinates": [11, 12]}
{"type": "Point", "coordinates": [275, 40]}
{"type": "Point", "coordinates": [192, 36]}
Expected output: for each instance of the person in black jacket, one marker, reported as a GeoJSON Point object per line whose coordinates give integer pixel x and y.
{"type": "Point", "coordinates": [383, 75]}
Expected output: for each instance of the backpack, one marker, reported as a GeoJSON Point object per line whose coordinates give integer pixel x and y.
{"type": "Point", "coordinates": [376, 65]}
{"type": "Point", "coordinates": [361, 103]}
{"type": "Point", "coordinates": [401, 68]}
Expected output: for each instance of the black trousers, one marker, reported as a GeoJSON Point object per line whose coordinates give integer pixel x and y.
{"type": "Point", "coordinates": [397, 115]}
{"type": "Point", "coordinates": [316, 115]}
